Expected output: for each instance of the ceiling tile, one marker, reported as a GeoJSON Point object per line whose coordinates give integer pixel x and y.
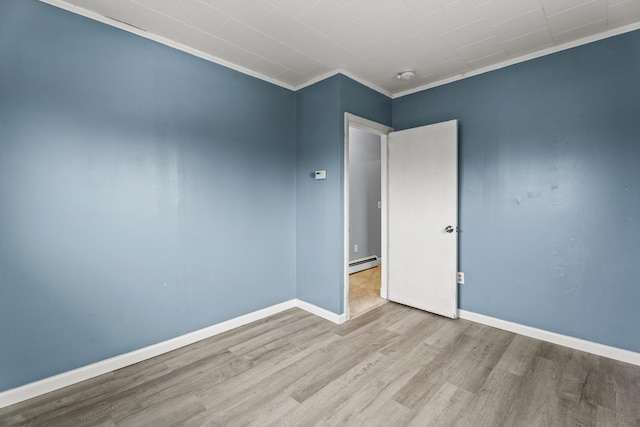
{"type": "Point", "coordinates": [273, 50]}
{"type": "Point", "coordinates": [376, 49]}
{"type": "Point", "coordinates": [453, 16]}
{"type": "Point", "coordinates": [464, 36]}
{"type": "Point", "coordinates": [423, 41]}
{"type": "Point", "coordinates": [374, 12]}
{"type": "Point", "coordinates": [623, 13]}
{"type": "Point", "coordinates": [361, 67]}
{"type": "Point", "coordinates": [481, 49]}
{"type": "Point", "coordinates": [268, 68]}
{"type": "Point", "coordinates": [280, 25]}
{"type": "Point", "coordinates": [521, 24]}
{"type": "Point", "coordinates": [423, 8]}
{"type": "Point", "coordinates": [334, 57]}
{"type": "Point", "coordinates": [400, 26]}
{"type": "Point", "coordinates": [237, 56]}
{"type": "Point", "coordinates": [345, 3]}
{"type": "Point", "coordinates": [199, 16]}
{"type": "Point", "coordinates": [421, 80]}
{"type": "Point", "coordinates": [292, 77]}
{"type": "Point", "coordinates": [580, 32]}
{"type": "Point", "coordinates": [496, 57]}
{"type": "Point", "coordinates": [450, 68]}
{"type": "Point", "coordinates": [577, 17]}
{"type": "Point", "coordinates": [535, 40]}
{"type": "Point", "coordinates": [355, 36]}
{"type": "Point", "coordinates": [436, 55]}
{"type": "Point", "coordinates": [240, 34]}
{"type": "Point", "coordinates": [300, 62]}
{"type": "Point", "coordinates": [247, 11]}
{"type": "Point", "coordinates": [164, 6]}
{"type": "Point", "coordinates": [552, 7]}
{"type": "Point", "coordinates": [157, 23]}
{"type": "Point", "coordinates": [120, 10]}
{"type": "Point", "coordinates": [318, 71]}
{"type": "Point", "coordinates": [396, 63]}
{"type": "Point", "coordinates": [202, 41]}
{"type": "Point", "coordinates": [497, 11]}
{"type": "Point", "coordinates": [327, 16]}
{"type": "Point", "coordinates": [311, 41]}
{"type": "Point", "coordinates": [292, 7]}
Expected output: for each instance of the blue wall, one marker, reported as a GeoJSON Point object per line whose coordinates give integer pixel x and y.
{"type": "Point", "coordinates": [144, 193]}
{"type": "Point", "coordinates": [136, 181]}
{"type": "Point", "coordinates": [320, 112]}
{"type": "Point", "coordinates": [549, 188]}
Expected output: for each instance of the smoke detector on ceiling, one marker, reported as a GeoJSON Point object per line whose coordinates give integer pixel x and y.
{"type": "Point", "coordinates": [406, 75]}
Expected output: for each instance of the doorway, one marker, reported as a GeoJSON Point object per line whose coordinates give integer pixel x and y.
{"type": "Point", "coordinates": [365, 226]}
{"type": "Point", "coordinates": [419, 181]}
{"type": "Point", "coordinates": [365, 213]}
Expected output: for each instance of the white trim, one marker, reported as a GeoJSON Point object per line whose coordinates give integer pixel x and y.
{"type": "Point", "coordinates": [317, 79]}
{"type": "Point", "coordinates": [552, 337]}
{"type": "Point", "coordinates": [65, 379]}
{"type": "Point", "coordinates": [163, 40]}
{"type": "Point", "coordinates": [345, 220]}
{"type": "Point", "coordinates": [523, 58]}
{"type": "Point", "coordinates": [68, 378]}
{"type": "Point", "coordinates": [365, 82]}
{"type": "Point", "coordinates": [171, 43]}
{"type": "Point", "coordinates": [384, 197]}
{"type": "Point", "coordinates": [344, 73]}
{"type": "Point", "coordinates": [37, 388]}
{"type": "Point", "coordinates": [321, 312]}
{"type": "Point", "coordinates": [351, 120]}
{"type": "Point", "coordinates": [374, 262]}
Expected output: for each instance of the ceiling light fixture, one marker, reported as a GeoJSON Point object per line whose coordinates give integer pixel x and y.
{"type": "Point", "coordinates": [406, 75]}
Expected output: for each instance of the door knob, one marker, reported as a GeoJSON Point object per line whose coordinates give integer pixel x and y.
{"type": "Point", "coordinates": [449, 229]}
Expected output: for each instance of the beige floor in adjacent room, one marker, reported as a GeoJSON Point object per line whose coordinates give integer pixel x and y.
{"type": "Point", "coordinates": [364, 291]}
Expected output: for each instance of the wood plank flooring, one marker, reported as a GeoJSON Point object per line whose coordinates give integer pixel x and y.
{"type": "Point", "coordinates": [392, 366]}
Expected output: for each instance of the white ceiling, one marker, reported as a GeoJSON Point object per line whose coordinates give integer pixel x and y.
{"type": "Point", "coordinates": [296, 41]}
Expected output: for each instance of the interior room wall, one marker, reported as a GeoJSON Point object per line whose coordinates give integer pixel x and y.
{"type": "Point", "coordinates": [144, 193]}
{"type": "Point", "coordinates": [320, 112]}
{"type": "Point", "coordinates": [549, 194]}
{"type": "Point", "coordinates": [364, 194]}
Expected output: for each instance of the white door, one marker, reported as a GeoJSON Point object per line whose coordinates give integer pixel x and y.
{"type": "Point", "coordinates": [423, 218]}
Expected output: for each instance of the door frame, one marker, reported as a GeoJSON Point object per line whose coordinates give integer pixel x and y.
{"type": "Point", "coordinates": [353, 121]}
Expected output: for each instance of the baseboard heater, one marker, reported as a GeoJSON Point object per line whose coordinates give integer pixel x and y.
{"type": "Point", "coordinates": [363, 264]}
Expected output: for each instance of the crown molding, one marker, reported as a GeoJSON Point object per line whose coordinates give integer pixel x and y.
{"type": "Point", "coordinates": [347, 74]}
{"type": "Point", "coordinates": [317, 79]}
{"type": "Point", "coordinates": [163, 40]}
{"type": "Point", "coordinates": [179, 46]}
{"type": "Point", "coordinates": [523, 58]}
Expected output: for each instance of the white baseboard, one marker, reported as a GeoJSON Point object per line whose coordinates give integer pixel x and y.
{"type": "Point", "coordinates": [325, 314]}
{"type": "Point", "coordinates": [552, 337]}
{"type": "Point", "coordinates": [56, 382]}
{"type": "Point", "coordinates": [65, 379]}
{"type": "Point", "coordinates": [364, 266]}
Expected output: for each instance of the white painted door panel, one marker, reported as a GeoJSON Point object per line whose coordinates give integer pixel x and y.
{"type": "Point", "coordinates": [422, 203]}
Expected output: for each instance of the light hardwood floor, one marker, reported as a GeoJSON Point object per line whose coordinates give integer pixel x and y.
{"type": "Point", "coordinates": [392, 366]}
{"type": "Point", "coordinates": [364, 291]}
